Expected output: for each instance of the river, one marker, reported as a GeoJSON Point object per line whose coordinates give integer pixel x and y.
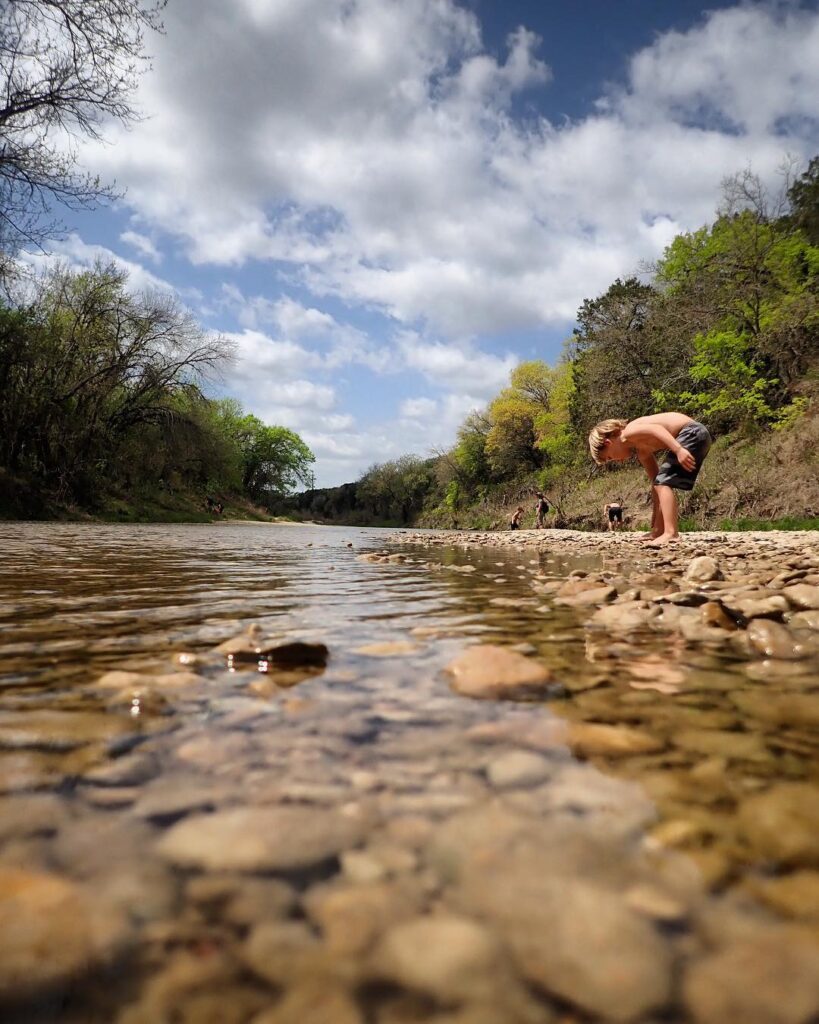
{"type": "Point", "coordinates": [333, 833]}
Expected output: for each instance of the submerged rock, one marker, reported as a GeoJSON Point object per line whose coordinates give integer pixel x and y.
{"type": "Point", "coordinates": [259, 839]}
{"type": "Point", "coordinates": [496, 672]}
{"type": "Point", "coordinates": [781, 823]}
{"type": "Point", "coordinates": [49, 932]}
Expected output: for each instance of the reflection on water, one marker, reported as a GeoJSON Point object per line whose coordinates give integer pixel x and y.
{"type": "Point", "coordinates": [206, 816]}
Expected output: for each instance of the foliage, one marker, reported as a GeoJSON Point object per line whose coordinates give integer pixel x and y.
{"type": "Point", "coordinates": [102, 388]}
{"type": "Point", "coordinates": [66, 68]}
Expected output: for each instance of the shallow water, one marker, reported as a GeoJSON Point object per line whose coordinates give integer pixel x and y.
{"type": "Point", "coordinates": [444, 859]}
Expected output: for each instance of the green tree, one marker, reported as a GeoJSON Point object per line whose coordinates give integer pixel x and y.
{"type": "Point", "coordinates": [275, 460]}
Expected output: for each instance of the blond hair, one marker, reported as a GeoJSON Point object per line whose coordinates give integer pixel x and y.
{"type": "Point", "coordinates": [604, 430]}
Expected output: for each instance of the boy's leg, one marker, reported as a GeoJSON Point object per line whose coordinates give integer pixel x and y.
{"type": "Point", "coordinates": [669, 513]}
{"type": "Point", "coordinates": [657, 523]}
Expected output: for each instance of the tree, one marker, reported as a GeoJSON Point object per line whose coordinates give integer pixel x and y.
{"type": "Point", "coordinates": [276, 460]}
{"type": "Point", "coordinates": [804, 199]}
{"type": "Point", "coordinates": [85, 364]}
{"type": "Point", "coordinates": [66, 67]}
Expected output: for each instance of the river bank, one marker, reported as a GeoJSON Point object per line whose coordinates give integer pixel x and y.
{"type": "Point", "coordinates": [271, 776]}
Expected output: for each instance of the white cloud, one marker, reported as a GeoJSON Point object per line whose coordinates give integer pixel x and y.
{"type": "Point", "coordinates": [455, 367]}
{"type": "Point", "coordinates": [79, 255]}
{"type": "Point", "coordinates": [371, 146]}
{"type": "Point", "coordinates": [142, 244]}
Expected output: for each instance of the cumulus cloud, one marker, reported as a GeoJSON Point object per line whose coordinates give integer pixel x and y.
{"type": "Point", "coordinates": [371, 146]}
{"type": "Point", "coordinates": [143, 245]}
{"type": "Point", "coordinates": [77, 254]}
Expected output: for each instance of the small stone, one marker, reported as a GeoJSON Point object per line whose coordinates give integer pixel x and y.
{"type": "Point", "coordinates": [803, 596]}
{"type": "Point", "coordinates": [713, 614]}
{"type": "Point", "coordinates": [313, 1004]}
{"type": "Point", "coordinates": [780, 823]}
{"type": "Point", "coordinates": [49, 932]}
{"type": "Point", "coordinates": [58, 730]}
{"type": "Point", "coordinates": [144, 681]}
{"type": "Point", "coordinates": [446, 957]}
{"type": "Point", "coordinates": [774, 640]}
{"type": "Point", "coordinates": [488, 671]}
{"type": "Point", "coordinates": [591, 739]}
{"type": "Point", "coordinates": [518, 768]}
{"type": "Point", "coordinates": [757, 608]}
{"type": "Point", "coordinates": [259, 839]}
{"type": "Point", "coordinates": [588, 598]}
{"type": "Point", "coordinates": [129, 770]}
{"type": "Point", "coordinates": [387, 649]}
{"type": "Point", "coordinates": [765, 979]}
{"type": "Point", "coordinates": [352, 917]}
{"type": "Point", "coordinates": [625, 617]}
{"type": "Point", "coordinates": [703, 570]}
{"type": "Point", "coordinates": [797, 709]}
{"type": "Point", "coordinates": [796, 894]}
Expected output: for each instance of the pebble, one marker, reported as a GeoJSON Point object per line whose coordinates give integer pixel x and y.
{"type": "Point", "coordinates": [703, 570]}
{"type": "Point", "coordinates": [446, 957]}
{"type": "Point", "coordinates": [489, 671]}
{"type": "Point", "coordinates": [767, 979]}
{"type": "Point", "coordinates": [774, 640]}
{"type": "Point", "coordinates": [50, 932]}
{"type": "Point", "coordinates": [518, 768]}
{"type": "Point", "coordinates": [781, 823]}
{"type": "Point", "coordinates": [259, 839]}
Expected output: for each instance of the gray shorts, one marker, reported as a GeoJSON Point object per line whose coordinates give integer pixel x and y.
{"type": "Point", "coordinates": [697, 440]}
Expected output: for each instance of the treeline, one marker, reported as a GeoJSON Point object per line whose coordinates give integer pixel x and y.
{"type": "Point", "coordinates": [725, 327]}
{"type": "Point", "coordinates": [101, 392]}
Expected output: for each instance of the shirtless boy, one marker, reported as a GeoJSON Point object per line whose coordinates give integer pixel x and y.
{"type": "Point", "coordinates": [687, 443]}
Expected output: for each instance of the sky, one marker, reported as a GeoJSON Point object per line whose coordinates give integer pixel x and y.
{"type": "Point", "coordinates": [385, 205]}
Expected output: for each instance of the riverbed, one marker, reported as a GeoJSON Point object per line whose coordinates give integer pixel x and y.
{"type": "Point", "coordinates": [283, 775]}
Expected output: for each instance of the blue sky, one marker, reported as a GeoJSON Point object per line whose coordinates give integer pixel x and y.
{"type": "Point", "coordinates": [386, 204]}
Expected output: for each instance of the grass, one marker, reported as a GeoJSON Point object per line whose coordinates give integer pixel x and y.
{"type": "Point", "coordinates": [787, 523]}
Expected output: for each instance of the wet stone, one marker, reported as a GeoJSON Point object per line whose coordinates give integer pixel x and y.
{"type": "Point", "coordinates": [489, 671]}
{"type": "Point", "coordinates": [58, 730]}
{"type": "Point", "coordinates": [518, 768]}
{"type": "Point", "coordinates": [780, 823]}
{"type": "Point", "coordinates": [774, 640]}
{"type": "Point", "coordinates": [259, 839]}
{"type": "Point", "coordinates": [50, 932]}
{"type": "Point", "coordinates": [803, 596]}
{"type": "Point", "coordinates": [767, 979]}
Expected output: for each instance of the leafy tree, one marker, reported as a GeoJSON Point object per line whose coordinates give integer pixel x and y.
{"type": "Point", "coordinates": [275, 460]}
{"type": "Point", "coordinates": [66, 68]}
{"type": "Point", "coordinates": [804, 201]}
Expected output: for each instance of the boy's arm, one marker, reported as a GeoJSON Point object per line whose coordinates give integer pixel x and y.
{"type": "Point", "coordinates": [649, 464]}
{"type": "Point", "coordinates": [663, 438]}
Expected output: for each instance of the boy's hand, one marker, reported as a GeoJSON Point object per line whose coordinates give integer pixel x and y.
{"type": "Point", "coordinates": [686, 459]}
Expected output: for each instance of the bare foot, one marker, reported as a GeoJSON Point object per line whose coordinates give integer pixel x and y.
{"type": "Point", "coordinates": [662, 540]}
{"type": "Point", "coordinates": [649, 538]}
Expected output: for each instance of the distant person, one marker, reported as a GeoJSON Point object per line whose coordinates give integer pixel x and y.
{"type": "Point", "coordinates": [614, 513]}
{"type": "Point", "coordinates": [687, 443]}
{"type": "Point", "coordinates": [516, 518]}
{"type": "Point", "coordinates": [541, 510]}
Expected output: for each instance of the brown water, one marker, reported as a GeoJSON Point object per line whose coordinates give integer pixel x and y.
{"type": "Point", "coordinates": [357, 843]}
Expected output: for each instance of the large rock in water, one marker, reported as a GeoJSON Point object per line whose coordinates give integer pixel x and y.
{"type": "Point", "coordinates": [487, 670]}
{"type": "Point", "coordinates": [260, 839]}
{"type": "Point", "coordinates": [49, 933]}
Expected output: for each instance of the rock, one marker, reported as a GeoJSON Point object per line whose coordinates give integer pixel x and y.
{"type": "Point", "coordinates": [34, 814]}
{"type": "Point", "coordinates": [163, 804]}
{"type": "Point", "coordinates": [518, 768]}
{"type": "Point", "coordinates": [58, 730]}
{"type": "Point", "coordinates": [145, 681]}
{"type": "Point", "coordinates": [797, 709]}
{"type": "Point", "coordinates": [757, 607]}
{"type": "Point", "coordinates": [446, 957]}
{"type": "Point", "coordinates": [129, 770]}
{"type": "Point", "coordinates": [625, 617]}
{"type": "Point", "coordinates": [774, 640]}
{"type": "Point", "coordinates": [806, 620]}
{"type": "Point", "coordinates": [388, 649]}
{"type": "Point", "coordinates": [780, 823]}
{"type": "Point", "coordinates": [49, 933]}
{"type": "Point", "coordinates": [713, 614]}
{"type": "Point", "coordinates": [703, 570]}
{"type": "Point", "coordinates": [488, 671]}
{"type": "Point", "coordinates": [241, 901]}
{"type": "Point", "coordinates": [803, 596]}
{"type": "Point", "coordinates": [588, 598]}
{"type": "Point", "coordinates": [764, 979]}
{"type": "Point", "coordinates": [293, 654]}
{"type": "Point", "coordinates": [287, 953]}
{"type": "Point", "coordinates": [259, 839]}
{"type": "Point", "coordinates": [313, 1004]}
{"type": "Point", "coordinates": [352, 917]}
{"type": "Point", "coordinates": [578, 941]}
{"type": "Point", "coordinates": [741, 746]}
{"type": "Point", "coordinates": [796, 894]}
{"type": "Point", "coordinates": [591, 739]}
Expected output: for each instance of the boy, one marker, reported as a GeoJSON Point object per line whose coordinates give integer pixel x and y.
{"type": "Point", "coordinates": [516, 518]}
{"type": "Point", "coordinates": [687, 443]}
{"type": "Point", "coordinates": [614, 512]}
{"type": "Point", "coordinates": [541, 508]}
